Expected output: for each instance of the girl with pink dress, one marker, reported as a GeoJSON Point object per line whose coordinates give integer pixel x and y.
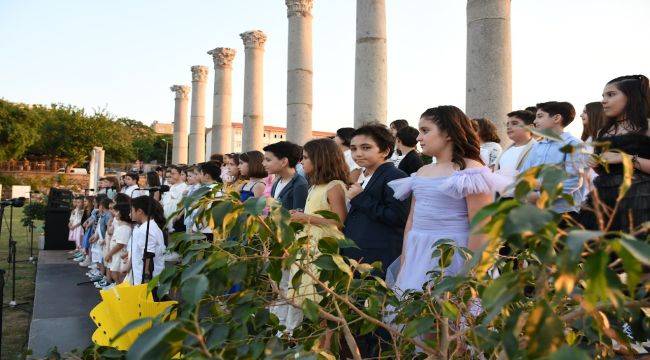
{"type": "Point", "coordinates": [446, 195]}
{"type": "Point", "coordinates": [76, 231]}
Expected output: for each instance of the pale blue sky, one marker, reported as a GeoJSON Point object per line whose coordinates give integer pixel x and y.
{"type": "Point", "coordinates": [123, 55]}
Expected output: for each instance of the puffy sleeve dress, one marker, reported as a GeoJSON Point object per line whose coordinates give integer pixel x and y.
{"type": "Point", "coordinates": [440, 213]}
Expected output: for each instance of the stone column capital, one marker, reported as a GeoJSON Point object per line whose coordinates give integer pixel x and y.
{"type": "Point", "coordinates": [254, 39]}
{"type": "Point", "coordinates": [182, 91]}
{"type": "Point", "coordinates": [199, 73]}
{"type": "Point", "coordinates": [222, 57]}
{"type": "Point", "coordinates": [299, 7]}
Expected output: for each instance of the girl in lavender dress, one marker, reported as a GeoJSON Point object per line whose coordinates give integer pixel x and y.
{"type": "Point", "coordinates": [446, 195]}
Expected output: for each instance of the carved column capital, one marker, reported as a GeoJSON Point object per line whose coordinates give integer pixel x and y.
{"type": "Point", "coordinates": [254, 39]}
{"type": "Point", "coordinates": [299, 7]}
{"type": "Point", "coordinates": [182, 91]}
{"type": "Point", "coordinates": [222, 57]}
{"type": "Point", "coordinates": [199, 73]}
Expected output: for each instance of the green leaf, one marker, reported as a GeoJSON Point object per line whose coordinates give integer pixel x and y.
{"type": "Point", "coordinates": [494, 208]}
{"type": "Point", "coordinates": [325, 262]}
{"type": "Point", "coordinates": [194, 288]}
{"type": "Point", "coordinates": [217, 336]}
{"type": "Point", "coordinates": [220, 211]}
{"type": "Point", "coordinates": [194, 269]}
{"type": "Point", "coordinates": [499, 293]}
{"type": "Point", "coordinates": [310, 309]}
{"type": "Point", "coordinates": [640, 250]}
{"type": "Point", "coordinates": [154, 343]}
{"type": "Point", "coordinates": [569, 353]}
{"type": "Point", "coordinates": [577, 238]}
{"type": "Point", "coordinates": [419, 326]}
{"type": "Point", "coordinates": [328, 245]}
{"type": "Point", "coordinates": [633, 269]}
{"type": "Point", "coordinates": [255, 206]}
{"type": "Point", "coordinates": [527, 219]}
{"type": "Point", "coordinates": [595, 268]}
{"type": "Point", "coordinates": [346, 243]}
{"type": "Point", "coordinates": [132, 325]}
{"type": "Point", "coordinates": [546, 133]}
{"type": "Point", "coordinates": [545, 331]}
{"type": "Point", "coordinates": [342, 265]}
{"type": "Point", "coordinates": [449, 310]}
{"type": "Point", "coordinates": [628, 172]}
{"type": "Point", "coordinates": [329, 215]}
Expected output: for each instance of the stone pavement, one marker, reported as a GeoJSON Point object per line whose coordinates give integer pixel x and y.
{"type": "Point", "coordinates": [61, 308]}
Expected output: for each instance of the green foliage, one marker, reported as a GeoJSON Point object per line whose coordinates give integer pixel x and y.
{"type": "Point", "coordinates": [18, 129]}
{"type": "Point", "coordinates": [33, 211]}
{"type": "Point", "coordinates": [69, 132]}
{"type": "Point", "coordinates": [562, 293]}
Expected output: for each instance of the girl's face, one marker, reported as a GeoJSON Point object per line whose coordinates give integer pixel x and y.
{"type": "Point", "coordinates": [86, 202]}
{"type": "Point", "coordinates": [584, 117]}
{"type": "Point", "coordinates": [307, 164]}
{"type": "Point", "coordinates": [243, 168]}
{"type": "Point", "coordinates": [432, 140]}
{"type": "Point", "coordinates": [192, 179]}
{"type": "Point", "coordinates": [366, 153]}
{"type": "Point", "coordinates": [183, 176]}
{"type": "Point", "coordinates": [614, 101]}
{"type": "Point", "coordinates": [233, 169]}
{"type": "Point", "coordinates": [115, 213]}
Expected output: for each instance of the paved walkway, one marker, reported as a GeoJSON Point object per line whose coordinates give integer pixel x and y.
{"type": "Point", "coordinates": [60, 316]}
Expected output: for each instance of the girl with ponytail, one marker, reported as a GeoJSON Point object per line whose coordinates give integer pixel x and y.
{"type": "Point", "coordinates": [147, 211]}
{"type": "Point", "coordinates": [626, 104]}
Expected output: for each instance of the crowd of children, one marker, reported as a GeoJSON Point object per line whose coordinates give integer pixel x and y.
{"type": "Point", "coordinates": [374, 179]}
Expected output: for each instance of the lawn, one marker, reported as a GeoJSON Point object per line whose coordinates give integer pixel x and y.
{"type": "Point", "coordinates": [15, 324]}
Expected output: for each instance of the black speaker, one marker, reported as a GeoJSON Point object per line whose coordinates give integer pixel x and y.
{"type": "Point", "coordinates": [59, 198]}
{"type": "Point", "coordinates": [57, 216]}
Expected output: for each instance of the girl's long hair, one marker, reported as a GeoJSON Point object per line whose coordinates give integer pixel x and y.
{"type": "Point", "coordinates": [157, 213]}
{"type": "Point", "coordinates": [454, 123]}
{"type": "Point", "coordinates": [327, 160]}
{"type": "Point", "coordinates": [637, 110]}
{"type": "Point", "coordinates": [596, 120]}
{"type": "Point", "coordinates": [124, 212]}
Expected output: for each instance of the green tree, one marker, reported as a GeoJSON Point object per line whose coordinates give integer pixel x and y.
{"type": "Point", "coordinates": [19, 126]}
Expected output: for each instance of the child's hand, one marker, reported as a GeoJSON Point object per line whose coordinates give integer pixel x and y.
{"type": "Point", "coordinates": [355, 189]}
{"type": "Point", "coordinates": [299, 216]}
{"type": "Point", "coordinates": [107, 259]}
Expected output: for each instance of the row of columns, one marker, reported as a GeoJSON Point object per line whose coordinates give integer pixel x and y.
{"type": "Point", "coordinates": [488, 92]}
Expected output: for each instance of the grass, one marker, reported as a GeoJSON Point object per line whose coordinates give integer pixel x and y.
{"type": "Point", "coordinates": [15, 324]}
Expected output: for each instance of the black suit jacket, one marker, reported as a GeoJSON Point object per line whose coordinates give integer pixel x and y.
{"type": "Point", "coordinates": [294, 194]}
{"type": "Point", "coordinates": [376, 219]}
{"type": "Point", "coordinates": [411, 163]}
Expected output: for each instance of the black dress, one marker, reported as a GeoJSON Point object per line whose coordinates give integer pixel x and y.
{"type": "Point", "coordinates": [635, 206]}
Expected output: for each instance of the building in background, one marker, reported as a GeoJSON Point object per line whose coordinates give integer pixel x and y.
{"type": "Point", "coordinates": [162, 128]}
{"type": "Point", "coordinates": [272, 134]}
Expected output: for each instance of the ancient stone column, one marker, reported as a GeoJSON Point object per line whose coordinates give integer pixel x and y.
{"type": "Point", "coordinates": [489, 60]}
{"type": "Point", "coordinates": [179, 141]}
{"type": "Point", "coordinates": [197, 115]}
{"type": "Point", "coordinates": [221, 134]}
{"type": "Point", "coordinates": [253, 132]}
{"type": "Point", "coordinates": [370, 63]}
{"type": "Point", "coordinates": [299, 71]}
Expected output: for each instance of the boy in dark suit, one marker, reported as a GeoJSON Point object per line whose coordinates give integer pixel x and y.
{"type": "Point", "coordinates": [376, 219]}
{"type": "Point", "coordinates": [407, 140]}
{"type": "Point", "coordinates": [289, 188]}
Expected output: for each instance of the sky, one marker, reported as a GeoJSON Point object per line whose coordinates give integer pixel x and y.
{"type": "Point", "coordinates": [123, 55]}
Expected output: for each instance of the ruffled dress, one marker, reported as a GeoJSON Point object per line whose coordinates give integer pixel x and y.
{"type": "Point", "coordinates": [440, 213]}
{"type": "Point", "coordinates": [76, 234]}
{"type": "Point", "coordinates": [634, 208]}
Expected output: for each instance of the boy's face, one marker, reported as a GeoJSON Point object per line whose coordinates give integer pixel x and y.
{"type": "Point", "coordinates": [544, 120]}
{"type": "Point", "coordinates": [516, 129]}
{"type": "Point", "coordinates": [272, 164]}
{"type": "Point", "coordinates": [128, 181]}
{"type": "Point", "coordinates": [174, 176]}
{"type": "Point", "coordinates": [137, 215]}
{"type": "Point", "coordinates": [366, 152]}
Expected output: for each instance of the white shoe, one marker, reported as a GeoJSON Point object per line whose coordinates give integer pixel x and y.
{"type": "Point", "coordinates": [86, 262]}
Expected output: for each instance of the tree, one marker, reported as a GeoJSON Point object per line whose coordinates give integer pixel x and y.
{"type": "Point", "coordinates": [19, 126]}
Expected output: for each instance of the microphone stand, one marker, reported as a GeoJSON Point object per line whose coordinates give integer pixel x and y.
{"type": "Point", "coordinates": [12, 260]}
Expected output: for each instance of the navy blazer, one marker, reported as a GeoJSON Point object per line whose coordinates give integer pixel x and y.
{"type": "Point", "coordinates": [376, 219]}
{"type": "Point", "coordinates": [294, 194]}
